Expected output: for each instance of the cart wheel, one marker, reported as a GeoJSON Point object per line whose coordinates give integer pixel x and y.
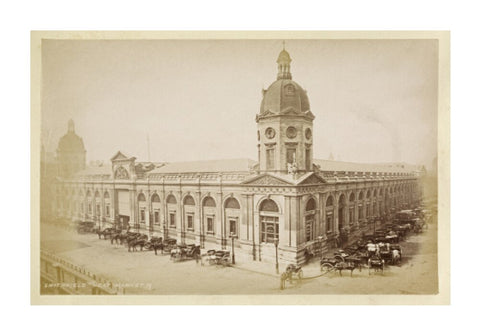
{"type": "Point", "coordinates": [327, 267]}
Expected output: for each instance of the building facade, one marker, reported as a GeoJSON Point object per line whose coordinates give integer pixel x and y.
{"type": "Point", "coordinates": [286, 199]}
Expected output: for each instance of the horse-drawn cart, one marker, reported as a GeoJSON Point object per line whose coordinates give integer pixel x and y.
{"type": "Point", "coordinates": [84, 227]}
{"type": "Point", "coordinates": [216, 257]}
{"type": "Point", "coordinates": [184, 252]}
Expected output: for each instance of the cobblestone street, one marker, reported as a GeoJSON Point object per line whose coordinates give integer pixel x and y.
{"type": "Point", "coordinates": [145, 273]}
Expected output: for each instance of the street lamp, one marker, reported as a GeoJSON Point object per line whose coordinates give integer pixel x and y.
{"type": "Point", "coordinates": [233, 236]}
{"type": "Point", "coordinates": [275, 241]}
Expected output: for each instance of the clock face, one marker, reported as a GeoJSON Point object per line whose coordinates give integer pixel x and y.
{"type": "Point", "coordinates": [270, 133]}
{"type": "Point", "coordinates": [308, 133]}
{"type": "Point", "coordinates": [291, 132]}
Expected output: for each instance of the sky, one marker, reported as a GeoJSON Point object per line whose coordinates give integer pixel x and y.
{"type": "Point", "coordinates": [375, 101]}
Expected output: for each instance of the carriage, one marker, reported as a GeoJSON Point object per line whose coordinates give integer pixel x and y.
{"type": "Point", "coordinates": [84, 227]}
{"type": "Point", "coordinates": [376, 263]}
{"type": "Point", "coordinates": [169, 244]}
{"type": "Point", "coordinates": [184, 252]}
{"type": "Point", "coordinates": [153, 243]}
{"type": "Point", "coordinates": [107, 232]}
{"type": "Point", "coordinates": [293, 273]}
{"type": "Point", "coordinates": [216, 257]}
{"type": "Point", "coordinates": [342, 261]}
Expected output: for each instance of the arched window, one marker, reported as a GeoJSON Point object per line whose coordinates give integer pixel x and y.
{"type": "Point", "coordinates": [209, 202]}
{"type": "Point", "coordinates": [232, 214]}
{"type": "Point", "coordinates": [155, 198]}
{"type": "Point", "coordinates": [172, 217]}
{"type": "Point", "coordinates": [269, 221]}
{"type": "Point", "coordinates": [189, 211]}
{"type": "Point", "coordinates": [209, 214]}
{"type": "Point", "coordinates": [311, 205]}
{"type": "Point", "coordinates": [141, 208]}
{"type": "Point", "coordinates": [232, 203]}
{"type": "Point", "coordinates": [156, 208]}
{"type": "Point", "coordinates": [106, 197]}
{"type": "Point", "coordinates": [309, 219]}
{"type": "Point", "coordinates": [189, 201]}
{"type": "Point", "coordinates": [360, 196]}
{"type": "Point", "coordinates": [171, 200]}
{"type": "Point", "coordinates": [368, 194]}
{"type": "Point", "coordinates": [268, 205]}
{"type": "Point", "coordinates": [374, 193]}
{"type": "Point", "coordinates": [352, 197]}
{"type": "Point", "coordinates": [329, 201]}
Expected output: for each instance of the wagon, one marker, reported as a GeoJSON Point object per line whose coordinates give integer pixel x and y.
{"type": "Point", "coordinates": [339, 264]}
{"type": "Point", "coordinates": [217, 257]}
{"type": "Point", "coordinates": [169, 245]}
{"type": "Point", "coordinates": [184, 252]}
{"type": "Point", "coordinates": [84, 227]}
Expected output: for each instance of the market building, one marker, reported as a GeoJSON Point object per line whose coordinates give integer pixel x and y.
{"type": "Point", "coordinates": [286, 199]}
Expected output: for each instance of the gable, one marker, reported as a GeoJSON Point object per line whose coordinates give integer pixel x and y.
{"type": "Point", "coordinates": [267, 180]}
{"type": "Point", "coordinates": [313, 179]}
{"type": "Point", "coordinates": [119, 156]}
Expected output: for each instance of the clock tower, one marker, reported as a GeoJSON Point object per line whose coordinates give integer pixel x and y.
{"type": "Point", "coordinates": [285, 124]}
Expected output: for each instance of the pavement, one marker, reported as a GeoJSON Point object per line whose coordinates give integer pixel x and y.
{"type": "Point", "coordinates": [159, 275]}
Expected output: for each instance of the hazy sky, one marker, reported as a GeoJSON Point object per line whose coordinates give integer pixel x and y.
{"type": "Point", "coordinates": [374, 100]}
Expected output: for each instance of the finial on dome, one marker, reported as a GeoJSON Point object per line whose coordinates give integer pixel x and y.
{"type": "Point", "coordinates": [283, 62]}
{"type": "Point", "coordinates": [71, 126]}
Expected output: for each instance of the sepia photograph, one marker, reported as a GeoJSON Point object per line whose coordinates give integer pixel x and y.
{"type": "Point", "coordinates": [240, 168]}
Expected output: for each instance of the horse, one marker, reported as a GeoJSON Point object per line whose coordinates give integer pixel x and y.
{"type": "Point", "coordinates": [376, 263]}
{"type": "Point", "coordinates": [340, 266]}
{"type": "Point", "coordinates": [132, 244]}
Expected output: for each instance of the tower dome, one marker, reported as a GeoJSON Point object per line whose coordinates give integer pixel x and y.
{"type": "Point", "coordinates": [71, 142]}
{"type": "Point", "coordinates": [284, 95]}
{"type": "Point", "coordinates": [285, 124]}
{"type": "Point", "coordinates": [71, 153]}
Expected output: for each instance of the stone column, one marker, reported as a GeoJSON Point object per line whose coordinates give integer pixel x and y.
{"type": "Point", "coordinates": [243, 233]}
{"type": "Point", "coordinates": [253, 226]}
{"type": "Point", "coordinates": [198, 218]}
{"type": "Point", "coordinates": [219, 231]}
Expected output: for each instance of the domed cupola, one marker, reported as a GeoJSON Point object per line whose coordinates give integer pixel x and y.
{"type": "Point", "coordinates": [71, 142]}
{"type": "Point", "coordinates": [284, 96]}
{"type": "Point", "coordinates": [71, 153]}
{"type": "Point", "coordinates": [285, 124]}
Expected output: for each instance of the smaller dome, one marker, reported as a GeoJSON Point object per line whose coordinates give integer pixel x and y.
{"type": "Point", "coordinates": [284, 57]}
{"type": "Point", "coordinates": [71, 142]}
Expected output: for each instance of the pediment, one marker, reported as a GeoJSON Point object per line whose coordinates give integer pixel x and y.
{"type": "Point", "coordinates": [312, 179]}
{"type": "Point", "coordinates": [120, 156]}
{"type": "Point", "coordinates": [267, 180]}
